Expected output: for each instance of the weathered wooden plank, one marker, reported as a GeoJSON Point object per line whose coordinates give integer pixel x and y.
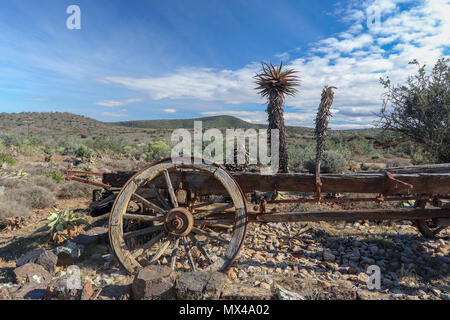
{"type": "Point", "coordinates": [430, 168]}
{"type": "Point", "coordinates": [353, 215]}
{"type": "Point", "coordinates": [430, 183]}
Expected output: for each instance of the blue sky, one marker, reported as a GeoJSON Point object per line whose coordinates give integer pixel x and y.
{"type": "Point", "coordinates": [148, 59]}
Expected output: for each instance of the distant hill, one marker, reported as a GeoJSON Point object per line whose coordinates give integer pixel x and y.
{"type": "Point", "coordinates": [222, 122]}
{"type": "Point", "coordinates": [64, 122]}
{"type": "Point", "coordinates": [207, 122]}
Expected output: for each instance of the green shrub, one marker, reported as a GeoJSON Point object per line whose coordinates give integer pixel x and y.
{"type": "Point", "coordinates": [298, 155]}
{"type": "Point", "coordinates": [156, 151]}
{"type": "Point", "coordinates": [4, 158]}
{"type": "Point", "coordinates": [67, 147]}
{"type": "Point", "coordinates": [332, 162]}
{"type": "Point", "coordinates": [60, 224]}
{"type": "Point", "coordinates": [108, 145]}
{"type": "Point", "coordinates": [376, 156]}
{"type": "Point", "coordinates": [84, 152]}
{"type": "Point", "coordinates": [55, 176]}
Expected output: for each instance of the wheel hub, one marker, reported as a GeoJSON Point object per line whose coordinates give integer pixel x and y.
{"type": "Point", "coordinates": [179, 222]}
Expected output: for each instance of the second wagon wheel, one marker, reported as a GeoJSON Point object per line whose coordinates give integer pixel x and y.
{"type": "Point", "coordinates": [155, 219]}
{"type": "Point", "coordinates": [427, 228]}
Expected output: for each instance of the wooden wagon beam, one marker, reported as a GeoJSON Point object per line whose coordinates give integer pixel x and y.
{"type": "Point", "coordinates": [426, 183]}
{"type": "Point", "coordinates": [352, 215]}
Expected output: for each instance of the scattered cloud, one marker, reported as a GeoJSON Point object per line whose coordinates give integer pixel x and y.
{"type": "Point", "coordinates": [352, 60]}
{"type": "Point", "coordinates": [36, 99]}
{"type": "Point", "coordinates": [117, 103]}
{"type": "Point", "coordinates": [169, 110]}
{"type": "Point", "coordinates": [120, 114]}
{"type": "Point", "coordinates": [204, 84]}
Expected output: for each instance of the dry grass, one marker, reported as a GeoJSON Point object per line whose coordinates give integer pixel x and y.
{"type": "Point", "coordinates": [311, 290]}
{"type": "Point", "coordinates": [11, 208]}
{"type": "Point", "coordinates": [21, 195]}
{"type": "Point", "coordinates": [72, 190]}
{"type": "Point", "coordinates": [35, 197]}
{"type": "Point", "coordinates": [45, 182]}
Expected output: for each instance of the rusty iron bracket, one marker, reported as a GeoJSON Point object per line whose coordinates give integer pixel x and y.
{"type": "Point", "coordinates": [318, 187]}
{"type": "Point", "coordinates": [262, 206]}
{"type": "Point", "coordinates": [393, 185]}
{"type": "Point", "coordinates": [84, 173]}
{"type": "Point", "coordinates": [87, 181]}
{"type": "Point", "coordinates": [74, 175]}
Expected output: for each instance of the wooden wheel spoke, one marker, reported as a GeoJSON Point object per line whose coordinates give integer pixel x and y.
{"type": "Point", "coordinates": [148, 204]}
{"type": "Point", "coordinates": [159, 196]}
{"type": "Point", "coordinates": [215, 210]}
{"type": "Point", "coordinates": [200, 248]}
{"type": "Point", "coordinates": [173, 198]}
{"type": "Point", "coordinates": [203, 204]}
{"type": "Point", "coordinates": [189, 255]}
{"type": "Point", "coordinates": [207, 237]}
{"type": "Point", "coordinates": [141, 232]}
{"type": "Point", "coordinates": [173, 258]}
{"type": "Point", "coordinates": [148, 245]}
{"type": "Point", "coordinates": [160, 251]}
{"type": "Point", "coordinates": [210, 235]}
{"type": "Point", "coordinates": [439, 229]}
{"type": "Point", "coordinates": [141, 217]}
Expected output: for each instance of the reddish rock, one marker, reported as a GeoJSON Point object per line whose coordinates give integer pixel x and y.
{"type": "Point", "coordinates": [31, 290]}
{"type": "Point", "coordinates": [5, 294]}
{"type": "Point", "coordinates": [92, 236]}
{"type": "Point", "coordinates": [40, 256]}
{"type": "Point", "coordinates": [32, 272]}
{"type": "Point", "coordinates": [87, 291]}
{"type": "Point", "coordinates": [200, 285]}
{"type": "Point", "coordinates": [154, 283]}
{"type": "Point", "coordinates": [59, 289]}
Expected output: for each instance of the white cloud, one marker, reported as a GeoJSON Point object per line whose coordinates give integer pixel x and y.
{"type": "Point", "coordinates": [353, 61]}
{"type": "Point", "coordinates": [117, 103]}
{"type": "Point", "coordinates": [119, 114]}
{"type": "Point", "coordinates": [204, 84]}
{"type": "Point", "coordinates": [249, 116]}
{"type": "Point", "coordinates": [36, 99]}
{"type": "Point", "coordinates": [169, 110]}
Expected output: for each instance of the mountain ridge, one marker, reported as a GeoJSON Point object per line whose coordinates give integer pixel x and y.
{"type": "Point", "coordinates": [221, 122]}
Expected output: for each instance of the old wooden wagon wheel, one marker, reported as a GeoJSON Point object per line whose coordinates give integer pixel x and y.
{"type": "Point", "coordinates": [428, 228]}
{"type": "Point", "coordinates": [154, 222]}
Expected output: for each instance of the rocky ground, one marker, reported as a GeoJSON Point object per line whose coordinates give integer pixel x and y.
{"type": "Point", "coordinates": [278, 261]}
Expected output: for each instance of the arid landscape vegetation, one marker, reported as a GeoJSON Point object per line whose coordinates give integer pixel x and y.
{"type": "Point", "coordinates": [315, 260]}
{"type": "Point", "coordinates": [353, 202]}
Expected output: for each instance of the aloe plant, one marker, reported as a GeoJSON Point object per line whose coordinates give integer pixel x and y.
{"type": "Point", "coordinates": [274, 83]}
{"type": "Point", "coordinates": [60, 224]}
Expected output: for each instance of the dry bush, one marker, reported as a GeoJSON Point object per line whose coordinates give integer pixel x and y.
{"type": "Point", "coordinates": [9, 183]}
{"type": "Point", "coordinates": [43, 181]}
{"type": "Point", "coordinates": [35, 192]}
{"type": "Point", "coordinates": [73, 189]}
{"type": "Point", "coordinates": [10, 208]}
{"type": "Point", "coordinates": [124, 165]}
{"type": "Point", "coordinates": [398, 162]}
{"type": "Point", "coordinates": [35, 168]}
{"type": "Point", "coordinates": [35, 197]}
